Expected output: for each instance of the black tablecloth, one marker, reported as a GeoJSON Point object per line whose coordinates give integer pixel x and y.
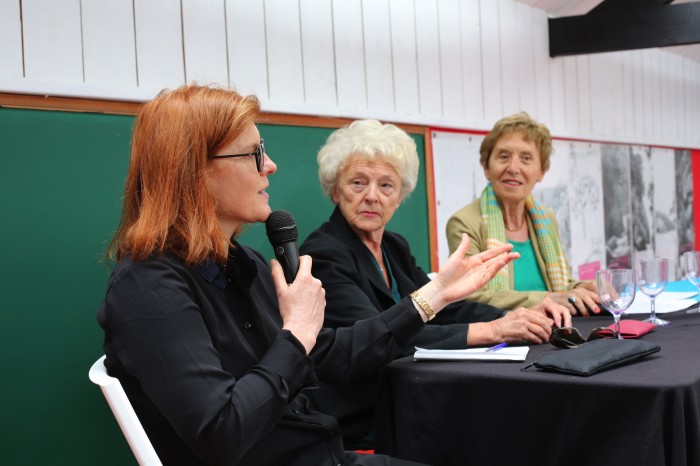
{"type": "Point", "coordinates": [492, 413]}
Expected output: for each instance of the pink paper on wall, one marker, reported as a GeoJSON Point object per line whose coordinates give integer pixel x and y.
{"type": "Point", "coordinates": [587, 271]}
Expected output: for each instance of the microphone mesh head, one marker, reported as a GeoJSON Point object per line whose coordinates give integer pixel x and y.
{"type": "Point", "coordinates": [281, 227]}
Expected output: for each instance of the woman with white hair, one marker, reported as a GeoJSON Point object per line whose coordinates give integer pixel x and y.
{"type": "Point", "coordinates": [367, 169]}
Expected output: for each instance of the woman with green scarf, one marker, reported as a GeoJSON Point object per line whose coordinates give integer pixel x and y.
{"type": "Point", "coordinates": [515, 156]}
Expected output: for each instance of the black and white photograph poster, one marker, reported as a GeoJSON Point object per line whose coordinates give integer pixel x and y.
{"type": "Point", "coordinates": [553, 192]}
{"type": "Point", "coordinates": [642, 186]}
{"type": "Point", "coordinates": [665, 216]}
{"type": "Point", "coordinates": [684, 202]}
{"type": "Point", "coordinates": [617, 206]}
{"type": "Point", "coordinates": [459, 178]}
{"type": "Point", "coordinates": [586, 208]}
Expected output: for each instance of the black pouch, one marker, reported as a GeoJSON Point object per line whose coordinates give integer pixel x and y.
{"type": "Point", "coordinates": [594, 356]}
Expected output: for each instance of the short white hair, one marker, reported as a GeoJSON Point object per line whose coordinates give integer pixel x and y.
{"type": "Point", "coordinates": [371, 140]}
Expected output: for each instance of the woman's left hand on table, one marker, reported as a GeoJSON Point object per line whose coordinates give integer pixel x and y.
{"type": "Point", "coordinates": [581, 301]}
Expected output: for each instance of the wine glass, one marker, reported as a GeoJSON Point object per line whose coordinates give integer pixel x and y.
{"type": "Point", "coordinates": [652, 277]}
{"type": "Point", "coordinates": [690, 261]}
{"type": "Point", "coordinates": [616, 289]}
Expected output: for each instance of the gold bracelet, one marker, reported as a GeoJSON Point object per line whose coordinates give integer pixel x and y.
{"type": "Point", "coordinates": [424, 305]}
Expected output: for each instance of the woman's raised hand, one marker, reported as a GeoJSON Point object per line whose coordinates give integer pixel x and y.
{"type": "Point", "coordinates": [302, 303]}
{"type": "Point", "coordinates": [462, 275]}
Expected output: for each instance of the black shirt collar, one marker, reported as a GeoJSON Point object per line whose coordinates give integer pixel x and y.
{"type": "Point", "coordinates": [238, 258]}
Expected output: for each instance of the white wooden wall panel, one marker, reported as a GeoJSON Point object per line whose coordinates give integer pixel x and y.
{"type": "Point", "coordinates": [403, 44]}
{"type": "Point", "coordinates": [688, 96]}
{"type": "Point", "coordinates": [688, 99]}
{"type": "Point", "coordinates": [429, 69]}
{"type": "Point", "coordinates": [511, 48]}
{"type": "Point", "coordinates": [692, 128]}
{"type": "Point", "coordinates": [378, 56]}
{"type": "Point", "coordinates": [247, 47]}
{"type": "Point", "coordinates": [452, 63]}
{"type": "Point", "coordinates": [614, 67]}
{"type": "Point", "coordinates": [52, 41]}
{"type": "Point", "coordinates": [491, 62]}
{"type": "Point", "coordinates": [159, 52]}
{"type": "Point", "coordinates": [11, 39]}
{"type": "Point", "coordinates": [680, 91]}
{"type": "Point", "coordinates": [451, 81]}
{"type": "Point", "coordinates": [627, 96]}
{"type": "Point", "coordinates": [316, 19]}
{"type": "Point", "coordinates": [653, 73]}
{"type": "Point", "coordinates": [285, 64]}
{"type": "Point", "coordinates": [692, 117]}
{"type": "Point", "coordinates": [602, 104]}
{"type": "Point", "coordinates": [665, 131]}
{"type": "Point", "coordinates": [556, 89]}
{"type": "Point", "coordinates": [647, 80]}
{"type": "Point", "coordinates": [677, 89]}
{"type": "Point", "coordinates": [542, 88]}
{"type": "Point", "coordinates": [472, 64]}
{"type": "Point", "coordinates": [696, 109]}
{"type": "Point", "coordinates": [692, 94]}
{"type": "Point", "coordinates": [525, 59]}
{"type": "Point", "coordinates": [583, 101]}
{"type": "Point", "coordinates": [571, 86]}
{"type": "Point", "coordinates": [204, 37]}
{"type": "Point", "coordinates": [109, 53]}
{"type": "Point", "coordinates": [665, 97]}
{"type": "Point", "coordinates": [349, 56]}
{"type": "Point", "coordinates": [647, 86]}
{"type": "Point", "coordinates": [638, 98]}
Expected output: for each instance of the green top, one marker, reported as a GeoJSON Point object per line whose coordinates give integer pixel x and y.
{"type": "Point", "coordinates": [528, 276]}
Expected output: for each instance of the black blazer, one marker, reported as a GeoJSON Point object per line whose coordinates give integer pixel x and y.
{"type": "Point", "coordinates": [355, 290]}
{"type": "Point", "coordinates": [213, 378]}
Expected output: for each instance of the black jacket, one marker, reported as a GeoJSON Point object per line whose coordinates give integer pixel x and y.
{"type": "Point", "coordinates": [212, 377]}
{"type": "Point", "coordinates": [356, 290]}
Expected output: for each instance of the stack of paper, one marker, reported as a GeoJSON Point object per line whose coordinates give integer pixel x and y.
{"type": "Point", "coordinates": [509, 353]}
{"type": "Point", "coordinates": [666, 301]}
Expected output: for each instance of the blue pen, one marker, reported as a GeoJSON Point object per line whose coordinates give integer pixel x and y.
{"type": "Point", "coordinates": [497, 347]}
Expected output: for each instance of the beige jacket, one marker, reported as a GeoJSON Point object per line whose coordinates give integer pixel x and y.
{"type": "Point", "coordinates": [468, 220]}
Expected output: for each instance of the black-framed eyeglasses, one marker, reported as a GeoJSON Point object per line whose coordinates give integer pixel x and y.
{"type": "Point", "coordinates": [570, 337]}
{"type": "Point", "coordinates": [259, 154]}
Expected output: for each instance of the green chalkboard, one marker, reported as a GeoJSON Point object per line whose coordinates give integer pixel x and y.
{"type": "Point", "coordinates": [61, 183]}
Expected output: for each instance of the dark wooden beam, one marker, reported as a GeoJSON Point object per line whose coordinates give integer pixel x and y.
{"type": "Point", "coordinates": [616, 25]}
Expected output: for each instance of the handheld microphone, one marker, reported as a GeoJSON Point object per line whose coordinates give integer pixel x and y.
{"type": "Point", "coordinates": [282, 233]}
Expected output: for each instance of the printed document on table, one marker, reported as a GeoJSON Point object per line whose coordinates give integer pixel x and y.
{"type": "Point", "coordinates": [509, 353]}
{"type": "Point", "coordinates": [667, 301]}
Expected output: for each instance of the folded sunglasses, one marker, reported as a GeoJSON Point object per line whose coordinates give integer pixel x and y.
{"type": "Point", "coordinates": [570, 337]}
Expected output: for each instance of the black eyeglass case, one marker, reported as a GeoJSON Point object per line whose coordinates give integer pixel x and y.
{"type": "Point", "coordinates": [594, 356]}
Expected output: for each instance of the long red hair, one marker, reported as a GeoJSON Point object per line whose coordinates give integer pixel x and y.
{"type": "Point", "coordinates": [167, 205]}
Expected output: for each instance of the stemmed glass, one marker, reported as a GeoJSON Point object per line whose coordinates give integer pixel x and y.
{"type": "Point", "coordinates": [690, 262]}
{"type": "Point", "coordinates": [652, 277]}
{"type": "Point", "coordinates": [616, 289]}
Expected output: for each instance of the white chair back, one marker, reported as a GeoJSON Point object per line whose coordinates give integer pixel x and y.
{"type": "Point", "coordinates": [126, 417]}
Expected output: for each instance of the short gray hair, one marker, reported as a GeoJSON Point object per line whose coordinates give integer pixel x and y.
{"type": "Point", "coordinates": [372, 140]}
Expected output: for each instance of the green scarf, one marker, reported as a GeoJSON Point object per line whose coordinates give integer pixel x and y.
{"type": "Point", "coordinates": [547, 238]}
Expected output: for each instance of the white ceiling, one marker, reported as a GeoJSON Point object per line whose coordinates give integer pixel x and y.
{"type": "Point", "coordinates": [558, 8]}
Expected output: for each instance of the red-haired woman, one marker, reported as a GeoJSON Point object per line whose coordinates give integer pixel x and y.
{"type": "Point", "coordinates": [213, 347]}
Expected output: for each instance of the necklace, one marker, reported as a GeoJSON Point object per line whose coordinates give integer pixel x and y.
{"type": "Point", "coordinates": [513, 230]}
